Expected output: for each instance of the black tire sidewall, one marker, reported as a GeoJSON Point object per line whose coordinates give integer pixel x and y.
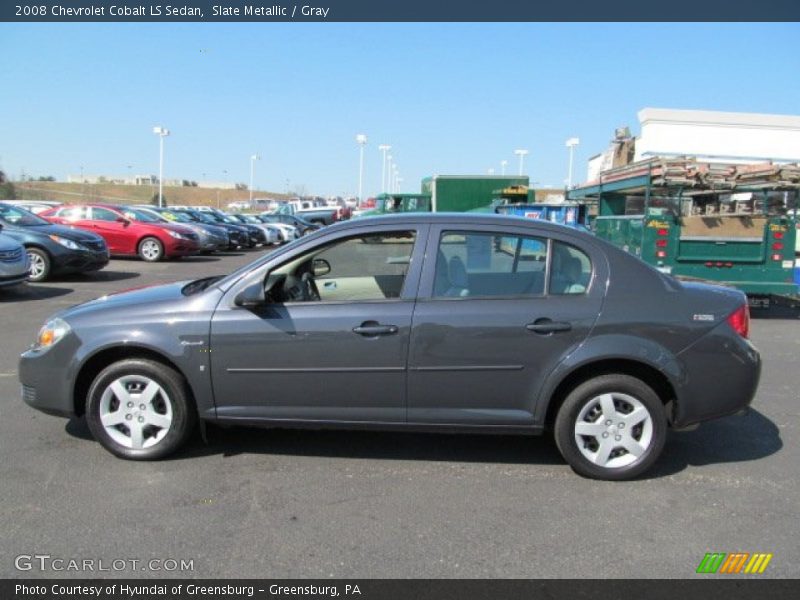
{"type": "Point", "coordinates": [160, 246]}
{"type": "Point", "coordinates": [47, 263]}
{"type": "Point", "coordinates": [183, 411]}
{"type": "Point", "coordinates": [576, 400]}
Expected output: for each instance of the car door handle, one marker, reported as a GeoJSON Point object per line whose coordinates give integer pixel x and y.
{"type": "Point", "coordinates": [373, 329]}
{"type": "Point", "coordinates": [548, 326]}
{"type": "Point", "coordinates": [330, 285]}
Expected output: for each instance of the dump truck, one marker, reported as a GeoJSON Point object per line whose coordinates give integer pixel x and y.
{"type": "Point", "coordinates": [734, 224]}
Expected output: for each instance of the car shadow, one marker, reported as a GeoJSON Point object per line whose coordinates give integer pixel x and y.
{"type": "Point", "coordinates": [28, 292]}
{"type": "Point", "coordinates": [200, 259]}
{"type": "Point", "coordinates": [98, 276]}
{"type": "Point", "coordinates": [728, 440]}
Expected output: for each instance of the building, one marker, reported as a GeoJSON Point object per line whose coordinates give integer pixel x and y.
{"type": "Point", "coordinates": [708, 136]}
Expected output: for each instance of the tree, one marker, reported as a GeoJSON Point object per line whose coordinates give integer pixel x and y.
{"type": "Point", "coordinates": [7, 191]}
{"type": "Point", "coordinates": [154, 200]}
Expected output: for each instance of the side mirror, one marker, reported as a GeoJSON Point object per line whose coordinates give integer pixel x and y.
{"type": "Point", "coordinates": [252, 295]}
{"type": "Point", "coordinates": [123, 220]}
{"type": "Point", "coordinates": [320, 267]}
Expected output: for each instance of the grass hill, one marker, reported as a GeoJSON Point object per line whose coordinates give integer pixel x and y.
{"type": "Point", "coordinates": [132, 194]}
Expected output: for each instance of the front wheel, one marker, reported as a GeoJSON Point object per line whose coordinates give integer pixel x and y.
{"type": "Point", "coordinates": [151, 249]}
{"type": "Point", "coordinates": [39, 262]}
{"type": "Point", "coordinates": [611, 427]}
{"type": "Point", "coordinates": [140, 409]}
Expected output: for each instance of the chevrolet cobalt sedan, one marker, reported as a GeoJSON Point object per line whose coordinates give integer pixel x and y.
{"type": "Point", "coordinates": [420, 322]}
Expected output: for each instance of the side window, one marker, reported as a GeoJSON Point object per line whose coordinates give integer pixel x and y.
{"type": "Point", "coordinates": [73, 213]}
{"type": "Point", "coordinates": [470, 264]}
{"type": "Point", "coordinates": [102, 214]}
{"type": "Point", "coordinates": [361, 268]}
{"type": "Point", "coordinates": [570, 270]}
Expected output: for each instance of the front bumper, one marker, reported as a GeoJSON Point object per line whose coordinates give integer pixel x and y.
{"type": "Point", "coordinates": [79, 261]}
{"type": "Point", "coordinates": [47, 378]}
{"type": "Point", "coordinates": [10, 280]}
{"type": "Point", "coordinates": [182, 248]}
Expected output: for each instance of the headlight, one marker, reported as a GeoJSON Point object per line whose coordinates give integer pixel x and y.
{"type": "Point", "coordinates": [52, 332]}
{"type": "Point", "coordinates": [176, 235]}
{"type": "Point", "coordinates": [65, 242]}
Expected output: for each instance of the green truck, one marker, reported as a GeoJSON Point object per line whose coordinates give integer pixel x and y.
{"type": "Point", "coordinates": [453, 193]}
{"type": "Point", "coordinates": [730, 224]}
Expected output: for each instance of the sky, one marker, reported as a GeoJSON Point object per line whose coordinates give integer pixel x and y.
{"type": "Point", "coordinates": [449, 98]}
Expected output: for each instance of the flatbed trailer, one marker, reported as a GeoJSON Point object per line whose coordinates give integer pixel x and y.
{"type": "Point", "coordinates": [734, 225]}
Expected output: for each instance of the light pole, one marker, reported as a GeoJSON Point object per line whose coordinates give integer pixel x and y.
{"type": "Point", "coordinates": [399, 181]}
{"type": "Point", "coordinates": [384, 148]}
{"type": "Point", "coordinates": [503, 164]}
{"type": "Point", "coordinates": [253, 159]}
{"type": "Point", "coordinates": [522, 153]}
{"type": "Point", "coordinates": [361, 140]}
{"type": "Point", "coordinates": [388, 186]}
{"type": "Point", "coordinates": [571, 143]}
{"type": "Point", "coordinates": [161, 132]}
{"type": "Point", "coordinates": [395, 175]}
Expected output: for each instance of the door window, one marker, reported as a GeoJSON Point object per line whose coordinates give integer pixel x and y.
{"type": "Point", "coordinates": [361, 268]}
{"type": "Point", "coordinates": [470, 264]}
{"type": "Point", "coordinates": [102, 214]}
{"type": "Point", "coordinates": [73, 213]}
{"type": "Point", "coordinates": [571, 270]}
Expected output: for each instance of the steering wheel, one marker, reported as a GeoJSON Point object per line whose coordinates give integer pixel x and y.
{"type": "Point", "coordinates": [309, 287]}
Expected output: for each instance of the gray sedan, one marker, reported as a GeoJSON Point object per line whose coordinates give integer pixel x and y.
{"type": "Point", "coordinates": [426, 322]}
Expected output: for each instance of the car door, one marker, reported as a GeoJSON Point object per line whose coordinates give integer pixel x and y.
{"type": "Point", "coordinates": [116, 230]}
{"type": "Point", "coordinates": [337, 357]}
{"type": "Point", "coordinates": [491, 322]}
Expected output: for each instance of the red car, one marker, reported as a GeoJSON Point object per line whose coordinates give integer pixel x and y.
{"type": "Point", "coordinates": [129, 235]}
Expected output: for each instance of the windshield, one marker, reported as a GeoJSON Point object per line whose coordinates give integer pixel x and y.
{"type": "Point", "coordinates": [175, 216]}
{"type": "Point", "coordinates": [134, 214]}
{"type": "Point", "coordinates": [14, 215]}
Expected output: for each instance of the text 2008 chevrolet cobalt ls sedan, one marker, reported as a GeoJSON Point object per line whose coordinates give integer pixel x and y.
{"type": "Point", "coordinates": [471, 323]}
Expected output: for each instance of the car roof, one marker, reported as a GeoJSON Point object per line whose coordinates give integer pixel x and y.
{"type": "Point", "coordinates": [465, 219]}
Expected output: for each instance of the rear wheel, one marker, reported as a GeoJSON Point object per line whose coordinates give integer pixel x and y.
{"type": "Point", "coordinates": [39, 262]}
{"type": "Point", "coordinates": [139, 409]}
{"type": "Point", "coordinates": [611, 427]}
{"type": "Point", "coordinates": [151, 249]}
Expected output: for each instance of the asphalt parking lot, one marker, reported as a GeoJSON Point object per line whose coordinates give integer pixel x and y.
{"type": "Point", "coordinates": [260, 503]}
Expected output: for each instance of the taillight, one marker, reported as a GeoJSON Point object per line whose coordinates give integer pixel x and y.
{"type": "Point", "coordinates": [739, 320]}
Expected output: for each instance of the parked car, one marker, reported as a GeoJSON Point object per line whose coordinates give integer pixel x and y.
{"type": "Point", "coordinates": [238, 236]}
{"type": "Point", "coordinates": [53, 249]}
{"type": "Point", "coordinates": [442, 321]}
{"type": "Point", "coordinates": [146, 238]}
{"type": "Point", "coordinates": [13, 261]}
{"type": "Point", "coordinates": [255, 235]}
{"type": "Point", "coordinates": [34, 206]}
{"type": "Point", "coordinates": [210, 237]}
{"type": "Point", "coordinates": [302, 226]}
{"type": "Point", "coordinates": [273, 232]}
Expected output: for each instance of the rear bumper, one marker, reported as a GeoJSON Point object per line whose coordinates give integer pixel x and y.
{"type": "Point", "coordinates": [721, 376]}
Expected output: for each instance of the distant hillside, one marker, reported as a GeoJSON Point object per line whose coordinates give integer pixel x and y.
{"type": "Point", "coordinates": [132, 194]}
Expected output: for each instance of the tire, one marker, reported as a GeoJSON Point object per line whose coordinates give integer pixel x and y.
{"type": "Point", "coordinates": [593, 424]}
{"type": "Point", "coordinates": [40, 264]}
{"type": "Point", "coordinates": [135, 427]}
{"type": "Point", "coordinates": [151, 249]}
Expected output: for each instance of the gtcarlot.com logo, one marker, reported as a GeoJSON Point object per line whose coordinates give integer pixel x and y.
{"type": "Point", "coordinates": [734, 563]}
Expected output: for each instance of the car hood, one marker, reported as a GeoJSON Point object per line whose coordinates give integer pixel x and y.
{"type": "Point", "coordinates": [174, 227]}
{"type": "Point", "coordinates": [65, 231]}
{"type": "Point", "coordinates": [146, 297]}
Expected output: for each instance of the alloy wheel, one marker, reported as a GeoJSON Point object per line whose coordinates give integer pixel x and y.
{"type": "Point", "coordinates": [136, 412]}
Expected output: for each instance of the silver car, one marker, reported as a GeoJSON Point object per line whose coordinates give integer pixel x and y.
{"type": "Point", "coordinates": [14, 265]}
